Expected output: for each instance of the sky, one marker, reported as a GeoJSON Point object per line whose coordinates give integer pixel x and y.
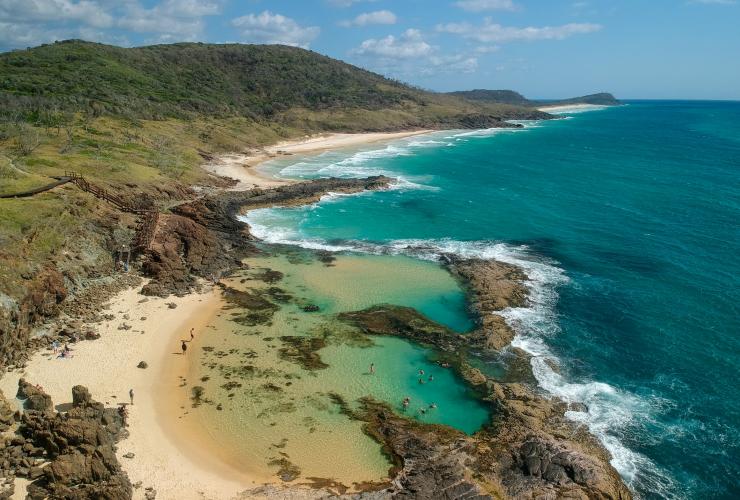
{"type": "Point", "coordinates": [651, 49]}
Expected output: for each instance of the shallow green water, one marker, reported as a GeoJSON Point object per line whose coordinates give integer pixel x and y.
{"type": "Point", "coordinates": [273, 408]}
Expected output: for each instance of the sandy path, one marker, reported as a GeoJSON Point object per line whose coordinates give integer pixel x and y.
{"type": "Point", "coordinates": [107, 366]}
{"type": "Point", "coordinates": [243, 166]}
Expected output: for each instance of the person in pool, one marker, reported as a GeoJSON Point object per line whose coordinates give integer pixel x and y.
{"type": "Point", "coordinates": [421, 372]}
{"type": "Point", "coordinates": [433, 406]}
{"type": "Point", "coordinates": [431, 378]}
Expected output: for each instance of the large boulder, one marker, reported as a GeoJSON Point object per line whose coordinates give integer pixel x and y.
{"type": "Point", "coordinates": [80, 446]}
{"type": "Point", "coordinates": [35, 397]}
{"type": "Point", "coordinates": [80, 396]}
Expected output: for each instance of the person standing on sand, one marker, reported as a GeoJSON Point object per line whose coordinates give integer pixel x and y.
{"type": "Point", "coordinates": [131, 395]}
{"type": "Point", "coordinates": [184, 347]}
{"type": "Point", "coordinates": [192, 334]}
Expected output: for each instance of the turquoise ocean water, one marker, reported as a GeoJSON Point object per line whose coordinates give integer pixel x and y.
{"type": "Point", "coordinates": [627, 221]}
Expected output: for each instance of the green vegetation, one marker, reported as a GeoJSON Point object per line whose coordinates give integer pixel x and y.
{"type": "Point", "coordinates": [191, 80]}
{"type": "Point", "coordinates": [140, 120]}
{"type": "Point", "coordinates": [517, 99]}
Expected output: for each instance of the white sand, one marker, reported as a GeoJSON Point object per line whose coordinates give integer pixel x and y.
{"type": "Point", "coordinates": [565, 108]}
{"type": "Point", "coordinates": [243, 166]}
{"type": "Point", "coordinates": [107, 367]}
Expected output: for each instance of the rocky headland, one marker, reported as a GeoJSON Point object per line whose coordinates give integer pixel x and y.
{"type": "Point", "coordinates": [529, 449]}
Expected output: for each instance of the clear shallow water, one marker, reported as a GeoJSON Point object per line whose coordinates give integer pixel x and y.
{"type": "Point", "coordinates": [271, 408]}
{"type": "Point", "coordinates": [627, 221]}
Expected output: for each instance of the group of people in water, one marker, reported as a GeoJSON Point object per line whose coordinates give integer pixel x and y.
{"type": "Point", "coordinates": [422, 380]}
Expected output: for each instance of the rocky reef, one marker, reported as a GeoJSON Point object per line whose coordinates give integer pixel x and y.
{"type": "Point", "coordinates": [529, 449]}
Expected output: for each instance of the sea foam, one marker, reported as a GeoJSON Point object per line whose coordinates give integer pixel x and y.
{"type": "Point", "coordinates": [609, 412]}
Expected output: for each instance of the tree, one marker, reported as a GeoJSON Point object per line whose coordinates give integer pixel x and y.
{"type": "Point", "coordinates": [26, 138]}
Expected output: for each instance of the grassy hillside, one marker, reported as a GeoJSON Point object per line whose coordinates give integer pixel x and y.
{"type": "Point", "coordinates": [515, 98]}
{"type": "Point", "coordinates": [137, 120]}
{"type": "Point", "coordinates": [189, 80]}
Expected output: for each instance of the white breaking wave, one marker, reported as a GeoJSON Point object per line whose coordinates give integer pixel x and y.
{"type": "Point", "coordinates": [608, 410]}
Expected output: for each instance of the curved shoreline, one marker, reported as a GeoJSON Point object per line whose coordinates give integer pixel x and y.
{"type": "Point", "coordinates": [174, 461]}
{"type": "Point", "coordinates": [244, 167]}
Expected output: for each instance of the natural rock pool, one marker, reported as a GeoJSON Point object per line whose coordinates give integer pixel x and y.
{"type": "Point", "coordinates": [272, 369]}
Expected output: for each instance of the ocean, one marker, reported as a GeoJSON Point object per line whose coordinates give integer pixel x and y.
{"type": "Point", "coordinates": [627, 221]}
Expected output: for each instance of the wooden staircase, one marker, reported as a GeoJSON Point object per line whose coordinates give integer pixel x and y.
{"type": "Point", "coordinates": [149, 218]}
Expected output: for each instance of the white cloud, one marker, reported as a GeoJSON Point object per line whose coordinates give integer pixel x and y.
{"type": "Point", "coordinates": [458, 63]}
{"type": "Point", "coordinates": [35, 11]}
{"type": "Point", "coordinates": [483, 5]}
{"type": "Point", "coordinates": [491, 32]}
{"type": "Point", "coordinates": [274, 28]}
{"type": "Point", "coordinates": [170, 20]}
{"type": "Point", "coordinates": [409, 44]}
{"type": "Point", "coordinates": [190, 8]}
{"type": "Point", "coordinates": [409, 55]}
{"type": "Point", "coordinates": [30, 22]}
{"type": "Point", "coordinates": [377, 17]}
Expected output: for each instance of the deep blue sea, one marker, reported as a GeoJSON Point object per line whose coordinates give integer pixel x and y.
{"type": "Point", "coordinates": [627, 220]}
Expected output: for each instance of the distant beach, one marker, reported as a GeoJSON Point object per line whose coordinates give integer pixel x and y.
{"type": "Point", "coordinates": [243, 167]}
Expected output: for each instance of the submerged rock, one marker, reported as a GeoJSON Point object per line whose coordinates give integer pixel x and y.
{"type": "Point", "coordinates": [303, 351]}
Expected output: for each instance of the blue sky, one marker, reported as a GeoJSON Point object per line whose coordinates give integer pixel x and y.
{"type": "Point", "coordinates": [634, 48]}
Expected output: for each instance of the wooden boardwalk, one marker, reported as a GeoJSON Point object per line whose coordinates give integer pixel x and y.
{"type": "Point", "coordinates": [148, 217]}
{"type": "Point", "coordinates": [25, 194]}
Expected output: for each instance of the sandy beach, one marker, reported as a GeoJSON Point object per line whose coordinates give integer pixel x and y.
{"type": "Point", "coordinates": [564, 108]}
{"type": "Point", "coordinates": [108, 368]}
{"type": "Point", "coordinates": [243, 166]}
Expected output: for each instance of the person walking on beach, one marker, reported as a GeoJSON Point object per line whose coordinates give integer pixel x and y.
{"type": "Point", "coordinates": [192, 334]}
{"type": "Point", "coordinates": [131, 396]}
{"type": "Point", "coordinates": [184, 347]}
{"type": "Point", "coordinates": [372, 368]}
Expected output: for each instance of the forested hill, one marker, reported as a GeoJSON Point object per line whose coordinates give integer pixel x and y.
{"type": "Point", "coordinates": [194, 79]}
{"type": "Point", "coordinates": [515, 98]}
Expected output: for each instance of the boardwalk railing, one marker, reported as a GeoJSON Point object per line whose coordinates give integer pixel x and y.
{"type": "Point", "coordinates": [149, 217]}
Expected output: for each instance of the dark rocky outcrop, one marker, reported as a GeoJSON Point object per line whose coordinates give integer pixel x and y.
{"type": "Point", "coordinates": [386, 319]}
{"type": "Point", "coordinates": [34, 397]}
{"type": "Point", "coordinates": [68, 455]}
{"type": "Point", "coordinates": [204, 238]}
{"type": "Point", "coordinates": [493, 286]}
{"type": "Point", "coordinates": [529, 449]}
{"type": "Point", "coordinates": [44, 296]}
